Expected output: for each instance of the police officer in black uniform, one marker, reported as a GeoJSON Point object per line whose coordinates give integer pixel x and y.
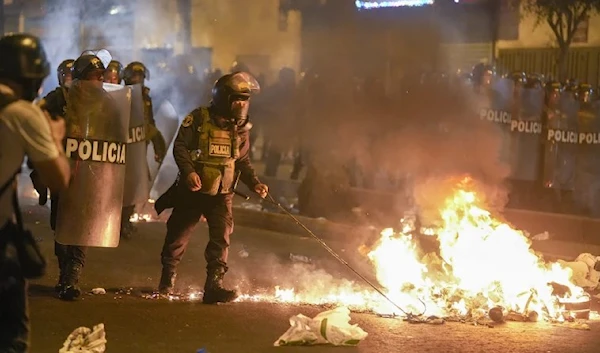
{"type": "Point", "coordinates": [55, 103]}
{"type": "Point", "coordinates": [137, 73]}
{"type": "Point", "coordinates": [71, 259]}
{"type": "Point", "coordinates": [212, 151]}
{"type": "Point", "coordinates": [114, 73]}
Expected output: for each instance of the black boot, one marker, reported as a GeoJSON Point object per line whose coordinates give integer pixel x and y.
{"type": "Point", "coordinates": [70, 290]}
{"type": "Point", "coordinates": [61, 277]}
{"type": "Point", "coordinates": [167, 281]}
{"type": "Point", "coordinates": [214, 291]}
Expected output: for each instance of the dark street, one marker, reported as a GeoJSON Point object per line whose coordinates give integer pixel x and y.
{"type": "Point", "coordinates": [136, 324]}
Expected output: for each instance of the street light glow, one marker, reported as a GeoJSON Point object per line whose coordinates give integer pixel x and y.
{"type": "Point", "coordinates": [376, 4]}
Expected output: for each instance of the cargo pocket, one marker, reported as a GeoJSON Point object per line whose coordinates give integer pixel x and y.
{"type": "Point", "coordinates": [211, 180]}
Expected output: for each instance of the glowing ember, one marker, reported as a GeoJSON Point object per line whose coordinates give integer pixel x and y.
{"type": "Point", "coordinates": [482, 263]}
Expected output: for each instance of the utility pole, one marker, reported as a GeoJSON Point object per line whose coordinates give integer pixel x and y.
{"type": "Point", "coordinates": [185, 15]}
{"type": "Point", "coordinates": [1, 17]}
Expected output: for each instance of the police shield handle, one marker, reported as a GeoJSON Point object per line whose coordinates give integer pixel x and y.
{"type": "Point", "coordinates": [193, 181]}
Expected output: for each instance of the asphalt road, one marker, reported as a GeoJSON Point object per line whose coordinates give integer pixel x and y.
{"type": "Point", "coordinates": [137, 324]}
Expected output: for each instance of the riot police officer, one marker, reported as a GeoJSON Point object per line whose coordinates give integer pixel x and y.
{"type": "Point", "coordinates": [482, 76]}
{"type": "Point", "coordinates": [71, 259]}
{"type": "Point", "coordinates": [55, 103]}
{"type": "Point", "coordinates": [137, 73]}
{"type": "Point", "coordinates": [211, 150]}
{"type": "Point", "coordinates": [114, 73]}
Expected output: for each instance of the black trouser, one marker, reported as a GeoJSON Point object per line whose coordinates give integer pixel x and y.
{"type": "Point", "coordinates": [183, 220]}
{"type": "Point", "coordinates": [65, 253]}
{"type": "Point", "coordinates": [14, 316]}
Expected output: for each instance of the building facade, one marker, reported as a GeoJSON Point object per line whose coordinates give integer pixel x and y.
{"type": "Point", "coordinates": [213, 33]}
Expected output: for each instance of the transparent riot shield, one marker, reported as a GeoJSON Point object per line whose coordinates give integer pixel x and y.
{"type": "Point", "coordinates": [137, 182]}
{"type": "Point", "coordinates": [560, 142]}
{"type": "Point", "coordinates": [89, 211]}
{"type": "Point", "coordinates": [526, 135]}
{"type": "Point", "coordinates": [587, 166]}
{"type": "Point", "coordinates": [496, 104]}
{"type": "Point", "coordinates": [163, 174]}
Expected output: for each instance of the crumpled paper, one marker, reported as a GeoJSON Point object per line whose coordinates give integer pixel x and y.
{"type": "Point", "coordinates": [85, 340]}
{"type": "Point", "coordinates": [584, 274]}
{"type": "Point", "coordinates": [329, 327]}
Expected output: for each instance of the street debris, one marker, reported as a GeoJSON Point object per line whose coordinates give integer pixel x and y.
{"type": "Point", "coordinates": [85, 340]}
{"type": "Point", "coordinates": [251, 206]}
{"type": "Point", "coordinates": [329, 327]}
{"type": "Point", "coordinates": [585, 269]}
{"type": "Point", "coordinates": [243, 253]}
{"type": "Point", "coordinates": [300, 258]}
{"type": "Point", "coordinates": [98, 291]}
{"type": "Point", "coordinates": [541, 236]}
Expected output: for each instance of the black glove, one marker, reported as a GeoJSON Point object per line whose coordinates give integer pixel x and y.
{"type": "Point", "coordinates": [41, 189]}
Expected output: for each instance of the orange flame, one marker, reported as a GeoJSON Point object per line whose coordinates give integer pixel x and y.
{"type": "Point", "coordinates": [482, 263]}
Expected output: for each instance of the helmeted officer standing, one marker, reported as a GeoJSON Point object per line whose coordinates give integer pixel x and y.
{"type": "Point", "coordinates": [55, 103]}
{"type": "Point", "coordinates": [71, 258]}
{"type": "Point", "coordinates": [211, 150]}
{"type": "Point", "coordinates": [137, 73]}
{"type": "Point", "coordinates": [114, 73]}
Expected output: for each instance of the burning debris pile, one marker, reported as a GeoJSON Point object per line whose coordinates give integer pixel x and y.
{"type": "Point", "coordinates": [484, 269]}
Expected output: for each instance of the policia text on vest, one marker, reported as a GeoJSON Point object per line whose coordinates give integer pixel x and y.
{"type": "Point", "coordinates": [95, 150]}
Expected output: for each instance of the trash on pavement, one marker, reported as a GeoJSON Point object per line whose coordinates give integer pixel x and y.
{"type": "Point", "coordinates": [98, 291]}
{"type": "Point", "coordinates": [243, 253]}
{"type": "Point", "coordinates": [300, 258]}
{"type": "Point", "coordinates": [85, 340]}
{"type": "Point", "coordinates": [329, 327]}
{"type": "Point", "coordinates": [585, 274]}
{"type": "Point", "coordinates": [541, 236]}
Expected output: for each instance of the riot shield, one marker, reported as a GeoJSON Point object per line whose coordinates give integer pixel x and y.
{"type": "Point", "coordinates": [137, 182]}
{"type": "Point", "coordinates": [495, 109]}
{"type": "Point", "coordinates": [526, 134]}
{"type": "Point", "coordinates": [587, 166]}
{"type": "Point", "coordinates": [560, 142]}
{"type": "Point", "coordinates": [163, 175]}
{"type": "Point", "coordinates": [97, 119]}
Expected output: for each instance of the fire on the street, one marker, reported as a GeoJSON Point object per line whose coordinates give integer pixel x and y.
{"type": "Point", "coordinates": [483, 264]}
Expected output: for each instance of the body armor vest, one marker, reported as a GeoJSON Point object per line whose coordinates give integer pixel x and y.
{"type": "Point", "coordinates": [218, 150]}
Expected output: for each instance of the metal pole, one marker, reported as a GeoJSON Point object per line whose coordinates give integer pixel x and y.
{"type": "Point", "coordinates": [1, 17]}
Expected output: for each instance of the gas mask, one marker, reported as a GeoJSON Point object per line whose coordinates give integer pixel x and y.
{"type": "Point", "coordinates": [239, 109]}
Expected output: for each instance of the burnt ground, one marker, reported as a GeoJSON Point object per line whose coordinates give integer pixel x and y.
{"type": "Point", "coordinates": [136, 324]}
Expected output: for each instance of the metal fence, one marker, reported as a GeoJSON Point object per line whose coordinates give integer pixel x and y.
{"type": "Point", "coordinates": [582, 63]}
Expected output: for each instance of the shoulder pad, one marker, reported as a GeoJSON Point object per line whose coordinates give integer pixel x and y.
{"type": "Point", "coordinates": [196, 114]}
{"type": "Point", "coordinates": [187, 121]}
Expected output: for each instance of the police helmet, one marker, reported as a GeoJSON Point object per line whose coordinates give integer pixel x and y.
{"type": "Point", "coordinates": [535, 81]}
{"type": "Point", "coordinates": [479, 71]}
{"type": "Point", "coordinates": [554, 86]}
{"type": "Point", "coordinates": [65, 68]}
{"type": "Point", "coordinates": [134, 68]}
{"type": "Point", "coordinates": [86, 64]}
{"type": "Point", "coordinates": [23, 60]}
{"type": "Point", "coordinates": [232, 87]}
{"type": "Point", "coordinates": [519, 77]}
{"type": "Point", "coordinates": [115, 67]}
